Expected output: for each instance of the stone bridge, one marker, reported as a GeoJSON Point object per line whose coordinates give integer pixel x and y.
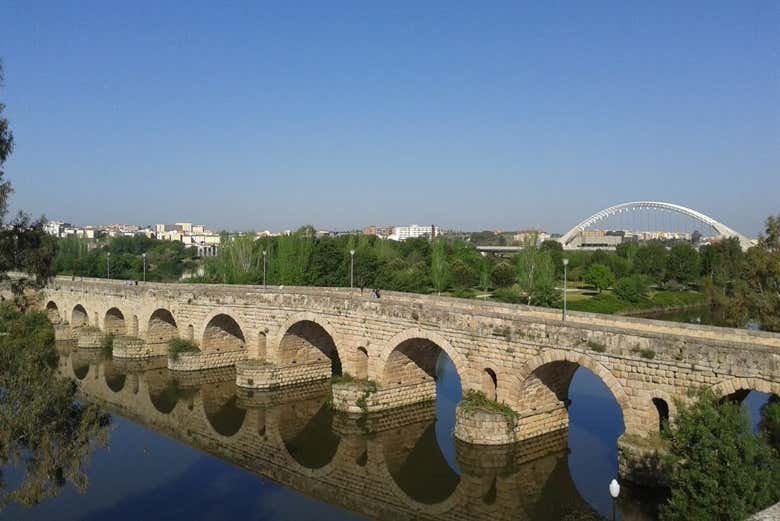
{"type": "Point", "coordinates": [290, 437]}
{"type": "Point", "coordinates": [521, 356]}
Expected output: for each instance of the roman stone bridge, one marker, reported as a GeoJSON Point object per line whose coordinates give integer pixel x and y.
{"type": "Point", "coordinates": [521, 356]}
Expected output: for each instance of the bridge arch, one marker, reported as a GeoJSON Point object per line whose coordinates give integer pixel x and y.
{"type": "Point", "coordinates": [222, 332]}
{"type": "Point", "coordinates": [416, 349]}
{"type": "Point", "coordinates": [53, 312]}
{"type": "Point", "coordinates": [78, 317]}
{"type": "Point", "coordinates": [732, 386]}
{"type": "Point", "coordinates": [543, 384]}
{"type": "Point", "coordinates": [161, 327]}
{"type": "Point", "coordinates": [308, 338]}
{"type": "Point", "coordinates": [114, 322]}
{"type": "Point", "coordinates": [721, 229]}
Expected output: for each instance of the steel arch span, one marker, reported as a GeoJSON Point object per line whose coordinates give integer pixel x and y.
{"type": "Point", "coordinates": [721, 229]}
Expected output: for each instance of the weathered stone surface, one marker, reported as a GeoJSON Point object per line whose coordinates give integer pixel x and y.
{"type": "Point", "coordinates": [525, 357]}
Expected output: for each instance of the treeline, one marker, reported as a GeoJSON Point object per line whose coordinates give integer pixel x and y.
{"type": "Point", "coordinates": [166, 261]}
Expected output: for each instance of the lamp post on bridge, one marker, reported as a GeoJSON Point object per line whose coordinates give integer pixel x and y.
{"type": "Point", "coordinates": [264, 262]}
{"type": "Point", "coordinates": [565, 284]}
{"type": "Point", "coordinates": [351, 268]}
{"type": "Point", "coordinates": [144, 256]}
{"type": "Point", "coordinates": [108, 265]}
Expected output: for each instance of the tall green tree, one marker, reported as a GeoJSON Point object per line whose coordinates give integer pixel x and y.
{"type": "Point", "coordinates": [600, 276]}
{"type": "Point", "coordinates": [440, 269]}
{"type": "Point", "coordinates": [683, 264]}
{"type": "Point", "coordinates": [721, 470]}
{"type": "Point", "coordinates": [536, 274]}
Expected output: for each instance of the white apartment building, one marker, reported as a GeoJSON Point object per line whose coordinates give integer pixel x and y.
{"type": "Point", "coordinates": [401, 233]}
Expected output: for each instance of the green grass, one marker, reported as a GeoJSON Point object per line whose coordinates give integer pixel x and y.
{"type": "Point", "coordinates": [608, 303]}
{"type": "Point", "coordinates": [476, 400]}
{"type": "Point", "coordinates": [178, 345]}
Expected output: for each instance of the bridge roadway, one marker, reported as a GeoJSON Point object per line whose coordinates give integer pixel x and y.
{"type": "Point", "coordinates": [522, 356]}
{"type": "Point", "coordinates": [372, 469]}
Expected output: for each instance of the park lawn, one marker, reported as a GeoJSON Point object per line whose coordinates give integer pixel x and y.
{"type": "Point", "coordinates": [608, 303]}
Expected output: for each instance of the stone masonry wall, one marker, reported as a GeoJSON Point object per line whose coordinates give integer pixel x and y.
{"type": "Point", "coordinates": [637, 359]}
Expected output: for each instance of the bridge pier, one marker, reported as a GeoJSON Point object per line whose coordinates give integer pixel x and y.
{"type": "Point", "coordinates": [365, 397]}
{"type": "Point", "coordinates": [136, 348]}
{"type": "Point", "coordinates": [263, 375]}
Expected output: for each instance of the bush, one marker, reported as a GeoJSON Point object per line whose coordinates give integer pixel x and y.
{"type": "Point", "coordinates": [599, 276]}
{"type": "Point", "coordinates": [720, 469]}
{"type": "Point", "coordinates": [178, 345]}
{"type": "Point", "coordinates": [503, 275]}
{"type": "Point", "coordinates": [474, 400]}
{"type": "Point", "coordinates": [631, 289]}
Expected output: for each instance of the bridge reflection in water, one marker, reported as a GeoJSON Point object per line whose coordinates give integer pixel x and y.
{"type": "Point", "coordinates": [401, 464]}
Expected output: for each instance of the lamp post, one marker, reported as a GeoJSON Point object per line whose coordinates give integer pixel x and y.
{"type": "Point", "coordinates": [108, 265]}
{"type": "Point", "coordinates": [565, 283]}
{"type": "Point", "coordinates": [144, 256]}
{"type": "Point", "coordinates": [614, 491]}
{"type": "Point", "coordinates": [351, 268]}
{"type": "Point", "coordinates": [264, 261]}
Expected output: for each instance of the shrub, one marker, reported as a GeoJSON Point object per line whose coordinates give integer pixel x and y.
{"type": "Point", "coordinates": [475, 400]}
{"type": "Point", "coordinates": [720, 469]}
{"type": "Point", "coordinates": [178, 345]}
{"type": "Point", "coordinates": [631, 289]}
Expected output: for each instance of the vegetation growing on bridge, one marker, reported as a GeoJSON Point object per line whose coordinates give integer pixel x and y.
{"type": "Point", "coordinates": [177, 346]}
{"type": "Point", "coordinates": [476, 400]}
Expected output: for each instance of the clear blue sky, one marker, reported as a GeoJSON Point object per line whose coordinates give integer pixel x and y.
{"type": "Point", "coordinates": [467, 115]}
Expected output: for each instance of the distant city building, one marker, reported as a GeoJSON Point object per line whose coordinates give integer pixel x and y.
{"type": "Point", "coordinates": [525, 235]}
{"type": "Point", "coordinates": [383, 232]}
{"type": "Point", "coordinates": [401, 233]}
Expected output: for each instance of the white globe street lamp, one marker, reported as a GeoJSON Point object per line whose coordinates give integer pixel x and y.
{"type": "Point", "coordinates": [614, 491]}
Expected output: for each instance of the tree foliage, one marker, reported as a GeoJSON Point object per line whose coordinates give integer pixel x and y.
{"type": "Point", "coordinates": [43, 430]}
{"type": "Point", "coordinates": [721, 470]}
{"type": "Point", "coordinates": [600, 276]}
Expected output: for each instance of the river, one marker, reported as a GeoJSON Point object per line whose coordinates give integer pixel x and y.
{"type": "Point", "coordinates": [195, 447]}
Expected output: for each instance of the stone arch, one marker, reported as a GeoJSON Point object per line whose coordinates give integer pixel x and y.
{"type": "Point", "coordinates": [79, 317]}
{"type": "Point", "coordinates": [560, 355]}
{"type": "Point", "coordinates": [361, 362]}
{"type": "Point", "coordinates": [114, 322]}
{"type": "Point", "coordinates": [420, 337]}
{"type": "Point", "coordinates": [308, 339]}
{"type": "Point", "coordinates": [541, 396]}
{"type": "Point", "coordinates": [733, 386]}
{"type": "Point", "coordinates": [662, 409]}
{"type": "Point", "coordinates": [53, 312]}
{"type": "Point", "coordinates": [161, 327]}
{"type": "Point", "coordinates": [490, 383]}
{"type": "Point", "coordinates": [222, 333]}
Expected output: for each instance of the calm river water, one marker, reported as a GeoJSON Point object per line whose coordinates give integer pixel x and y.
{"type": "Point", "coordinates": [194, 447]}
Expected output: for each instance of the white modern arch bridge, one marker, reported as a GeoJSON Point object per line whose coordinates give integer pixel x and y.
{"type": "Point", "coordinates": [720, 229]}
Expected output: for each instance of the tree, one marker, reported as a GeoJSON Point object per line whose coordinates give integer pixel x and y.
{"type": "Point", "coordinates": [600, 276]}
{"type": "Point", "coordinates": [502, 275]}
{"type": "Point", "coordinates": [682, 264]}
{"type": "Point", "coordinates": [720, 469]}
{"type": "Point", "coordinates": [440, 270]}
{"type": "Point", "coordinates": [6, 147]}
{"type": "Point", "coordinates": [536, 275]}
{"type": "Point", "coordinates": [463, 276]}
{"type": "Point", "coordinates": [650, 260]}
{"type": "Point", "coordinates": [631, 289]}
